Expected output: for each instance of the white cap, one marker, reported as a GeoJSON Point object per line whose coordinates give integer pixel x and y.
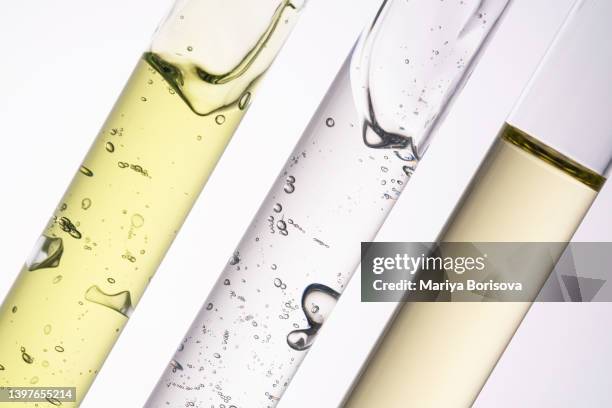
{"type": "Point", "coordinates": [568, 103]}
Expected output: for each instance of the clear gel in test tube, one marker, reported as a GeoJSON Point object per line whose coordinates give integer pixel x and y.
{"type": "Point", "coordinates": [337, 188]}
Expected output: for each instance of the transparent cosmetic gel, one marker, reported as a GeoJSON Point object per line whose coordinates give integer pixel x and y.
{"type": "Point", "coordinates": [336, 190]}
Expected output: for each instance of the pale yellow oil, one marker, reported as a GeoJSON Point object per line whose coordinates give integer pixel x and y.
{"type": "Point", "coordinates": [439, 355]}
{"type": "Point", "coordinates": [109, 234]}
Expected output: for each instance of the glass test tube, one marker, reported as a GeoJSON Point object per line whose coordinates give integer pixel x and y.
{"type": "Point", "coordinates": [134, 189]}
{"type": "Point", "coordinates": [535, 185]}
{"type": "Point", "coordinates": [336, 190]}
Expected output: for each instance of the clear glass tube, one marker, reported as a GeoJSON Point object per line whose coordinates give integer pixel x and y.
{"type": "Point", "coordinates": [531, 187]}
{"type": "Point", "coordinates": [336, 190]}
{"type": "Point", "coordinates": [134, 189]}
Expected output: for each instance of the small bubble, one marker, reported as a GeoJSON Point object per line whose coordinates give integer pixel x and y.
{"type": "Point", "coordinates": [209, 306]}
{"type": "Point", "coordinates": [278, 208]}
{"type": "Point", "coordinates": [281, 225]}
{"type": "Point", "coordinates": [54, 401]}
{"type": "Point", "coordinates": [235, 259]}
{"type": "Point", "coordinates": [34, 380]}
{"type": "Point", "coordinates": [190, 48]}
{"type": "Point", "coordinates": [47, 329]}
{"type": "Point", "coordinates": [407, 61]}
{"type": "Point", "coordinates": [143, 99]}
{"type": "Point", "coordinates": [330, 122]}
{"type": "Point", "coordinates": [26, 357]}
{"type": "Point", "coordinates": [289, 188]}
{"type": "Point", "coordinates": [274, 267]}
{"type": "Point", "coordinates": [217, 355]}
{"type": "Point", "coordinates": [290, 180]}
{"type": "Point", "coordinates": [59, 349]}
{"type": "Point", "coordinates": [45, 363]}
{"type": "Point", "coordinates": [244, 101]}
{"type": "Point", "coordinates": [14, 310]}
{"type": "Point", "coordinates": [137, 220]}
{"type": "Point", "coordinates": [278, 283]}
{"type": "Point", "coordinates": [384, 169]}
{"type": "Point", "coordinates": [220, 119]}
{"type": "Point", "coordinates": [226, 282]}
{"type": "Point", "coordinates": [199, 137]}
{"type": "Point", "coordinates": [57, 279]}
{"type": "Point", "coordinates": [86, 203]}
{"type": "Point", "coordinates": [111, 281]}
{"type": "Point", "coordinates": [176, 366]}
{"type": "Point", "coordinates": [84, 170]}
{"type": "Point", "coordinates": [110, 147]}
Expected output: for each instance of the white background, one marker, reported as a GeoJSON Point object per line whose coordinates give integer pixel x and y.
{"type": "Point", "coordinates": [63, 63]}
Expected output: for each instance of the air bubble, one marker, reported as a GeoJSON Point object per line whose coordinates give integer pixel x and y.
{"type": "Point", "coordinates": [67, 226]}
{"type": "Point", "coordinates": [119, 302]}
{"type": "Point", "coordinates": [235, 259]}
{"type": "Point", "coordinates": [26, 357]}
{"type": "Point", "coordinates": [84, 170]}
{"type": "Point", "coordinates": [244, 101]}
{"type": "Point", "coordinates": [317, 303]}
{"type": "Point", "coordinates": [176, 366]}
{"type": "Point", "coordinates": [137, 221]}
{"type": "Point", "coordinates": [86, 203]}
{"type": "Point", "coordinates": [408, 170]}
{"type": "Point", "coordinates": [47, 253]}
{"type": "Point", "coordinates": [54, 401]}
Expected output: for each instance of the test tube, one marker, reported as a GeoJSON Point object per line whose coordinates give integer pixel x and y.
{"type": "Point", "coordinates": [134, 189]}
{"type": "Point", "coordinates": [536, 184]}
{"type": "Point", "coordinates": [335, 191]}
